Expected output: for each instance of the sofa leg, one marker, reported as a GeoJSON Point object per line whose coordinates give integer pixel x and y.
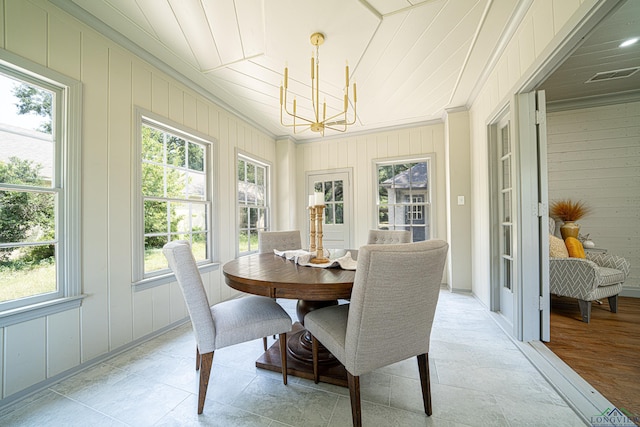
{"type": "Point", "coordinates": [613, 303]}
{"type": "Point", "coordinates": [585, 310]}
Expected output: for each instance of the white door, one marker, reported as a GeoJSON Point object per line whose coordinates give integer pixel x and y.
{"type": "Point", "coordinates": [533, 223]}
{"type": "Point", "coordinates": [505, 212]}
{"type": "Point", "coordinates": [336, 224]}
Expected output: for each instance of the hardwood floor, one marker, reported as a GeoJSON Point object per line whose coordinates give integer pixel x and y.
{"type": "Point", "coordinates": [606, 351]}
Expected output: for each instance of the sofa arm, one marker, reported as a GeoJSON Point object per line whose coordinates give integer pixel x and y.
{"type": "Point", "coordinates": [572, 277]}
{"type": "Point", "coordinates": [610, 261]}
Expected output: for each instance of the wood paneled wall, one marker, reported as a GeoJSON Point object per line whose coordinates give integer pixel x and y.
{"type": "Point", "coordinates": [594, 156]}
{"type": "Point", "coordinates": [539, 33]}
{"type": "Point", "coordinates": [114, 82]}
{"type": "Point", "coordinates": [359, 153]}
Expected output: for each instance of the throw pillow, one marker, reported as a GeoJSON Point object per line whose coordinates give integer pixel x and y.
{"type": "Point", "coordinates": [575, 248]}
{"type": "Point", "coordinates": [557, 248]}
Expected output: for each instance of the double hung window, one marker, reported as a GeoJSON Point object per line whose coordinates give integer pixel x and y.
{"type": "Point", "coordinates": [403, 199]}
{"type": "Point", "coordinates": [253, 206]}
{"type": "Point", "coordinates": [39, 190]}
{"type": "Point", "coordinates": [176, 195]}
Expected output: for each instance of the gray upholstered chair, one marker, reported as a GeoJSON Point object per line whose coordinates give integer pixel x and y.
{"type": "Point", "coordinates": [592, 279]}
{"type": "Point", "coordinates": [386, 237]}
{"type": "Point", "coordinates": [226, 323]}
{"type": "Point", "coordinates": [389, 319]}
{"type": "Point", "coordinates": [280, 240]}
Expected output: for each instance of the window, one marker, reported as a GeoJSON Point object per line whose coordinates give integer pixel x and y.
{"type": "Point", "coordinates": [175, 185]}
{"type": "Point", "coordinates": [333, 200]}
{"type": "Point", "coordinates": [404, 197]}
{"type": "Point", "coordinates": [253, 208]}
{"type": "Point", "coordinates": [39, 191]}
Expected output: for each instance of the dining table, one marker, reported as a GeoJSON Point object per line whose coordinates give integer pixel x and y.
{"type": "Point", "coordinates": [274, 276]}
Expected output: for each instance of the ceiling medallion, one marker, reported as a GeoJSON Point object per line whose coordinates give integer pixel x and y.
{"type": "Point", "coordinates": [319, 122]}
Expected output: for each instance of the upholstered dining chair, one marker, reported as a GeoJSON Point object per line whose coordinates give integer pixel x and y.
{"type": "Point", "coordinates": [386, 237]}
{"type": "Point", "coordinates": [390, 315]}
{"type": "Point", "coordinates": [226, 323]}
{"type": "Point", "coordinates": [280, 240]}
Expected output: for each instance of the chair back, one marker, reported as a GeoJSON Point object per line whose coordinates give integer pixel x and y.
{"type": "Point", "coordinates": [393, 303]}
{"type": "Point", "coordinates": [280, 240]}
{"type": "Point", "coordinates": [181, 261]}
{"type": "Point", "coordinates": [387, 237]}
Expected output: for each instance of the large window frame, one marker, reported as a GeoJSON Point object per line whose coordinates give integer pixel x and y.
{"type": "Point", "coordinates": [404, 204]}
{"type": "Point", "coordinates": [253, 212]}
{"type": "Point", "coordinates": [65, 188]}
{"type": "Point", "coordinates": [196, 211]}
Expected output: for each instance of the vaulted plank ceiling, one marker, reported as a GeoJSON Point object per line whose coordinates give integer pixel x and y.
{"type": "Point", "coordinates": [411, 59]}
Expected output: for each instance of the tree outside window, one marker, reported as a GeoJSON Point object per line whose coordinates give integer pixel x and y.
{"type": "Point", "coordinates": [253, 208]}
{"type": "Point", "coordinates": [175, 195]}
{"type": "Point", "coordinates": [29, 194]}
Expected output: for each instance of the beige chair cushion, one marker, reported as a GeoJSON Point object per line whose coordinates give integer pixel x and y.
{"type": "Point", "coordinates": [557, 248]}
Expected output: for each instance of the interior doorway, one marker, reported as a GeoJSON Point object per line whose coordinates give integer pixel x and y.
{"type": "Point", "coordinates": [337, 215]}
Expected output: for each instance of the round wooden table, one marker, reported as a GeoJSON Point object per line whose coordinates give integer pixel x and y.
{"type": "Point", "coordinates": [273, 276]}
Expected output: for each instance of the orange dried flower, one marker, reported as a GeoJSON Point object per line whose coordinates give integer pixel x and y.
{"type": "Point", "coordinates": [567, 210]}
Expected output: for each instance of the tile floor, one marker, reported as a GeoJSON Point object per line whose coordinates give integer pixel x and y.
{"type": "Point", "coordinates": [478, 378]}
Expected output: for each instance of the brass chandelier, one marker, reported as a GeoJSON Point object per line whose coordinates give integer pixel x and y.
{"type": "Point", "coordinates": [319, 122]}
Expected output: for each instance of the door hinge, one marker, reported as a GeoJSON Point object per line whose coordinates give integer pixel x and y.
{"type": "Point", "coordinates": [542, 209]}
{"type": "Point", "coordinates": [540, 118]}
{"type": "Point", "coordinates": [541, 303]}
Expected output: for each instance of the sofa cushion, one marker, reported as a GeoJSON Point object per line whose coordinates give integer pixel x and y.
{"type": "Point", "coordinates": [557, 248]}
{"type": "Point", "coordinates": [575, 248]}
{"type": "Point", "coordinates": [610, 276]}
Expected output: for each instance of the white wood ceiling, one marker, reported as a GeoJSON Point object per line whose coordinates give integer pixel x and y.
{"type": "Point", "coordinates": [600, 52]}
{"type": "Point", "coordinates": [411, 59]}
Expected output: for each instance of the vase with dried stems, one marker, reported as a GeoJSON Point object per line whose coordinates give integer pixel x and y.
{"type": "Point", "coordinates": [569, 212]}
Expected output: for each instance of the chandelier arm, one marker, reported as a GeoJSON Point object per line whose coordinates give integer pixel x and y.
{"type": "Point", "coordinates": [336, 129]}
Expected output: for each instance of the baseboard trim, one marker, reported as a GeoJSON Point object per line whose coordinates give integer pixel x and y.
{"type": "Point", "coordinates": [18, 397]}
{"type": "Point", "coordinates": [630, 292]}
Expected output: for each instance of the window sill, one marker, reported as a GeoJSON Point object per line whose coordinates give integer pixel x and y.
{"type": "Point", "coordinates": [35, 311]}
{"type": "Point", "coordinates": [152, 282]}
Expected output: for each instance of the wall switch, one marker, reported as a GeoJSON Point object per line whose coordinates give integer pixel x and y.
{"type": "Point", "coordinates": [460, 200]}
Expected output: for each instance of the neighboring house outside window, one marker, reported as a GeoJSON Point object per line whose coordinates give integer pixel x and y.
{"type": "Point", "coordinates": [39, 191]}
{"type": "Point", "coordinates": [253, 206]}
{"type": "Point", "coordinates": [404, 197]}
{"type": "Point", "coordinates": [176, 194]}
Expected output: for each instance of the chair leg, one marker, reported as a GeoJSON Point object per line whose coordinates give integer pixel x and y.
{"type": "Point", "coordinates": [264, 343]}
{"type": "Point", "coordinates": [613, 303]}
{"type": "Point", "coordinates": [354, 394]}
{"type": "Point", "coordinates": [314, 358]}
{"type": "Point", "coordinates": [423, 367]}
{"type": "Point", "coordinates": [585, 310]}
{"type": "Point", "coordinates": [283, 357]}
{"type": "Point", "coordinates": [205, 371]}
{"type": "Point", "coordinates": [197, 358]}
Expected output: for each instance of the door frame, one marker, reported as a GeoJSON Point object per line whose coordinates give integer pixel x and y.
{"type": "Point", "coordinates": [348, 200]}
{"type": "Point", "coordinates": [512, 324]}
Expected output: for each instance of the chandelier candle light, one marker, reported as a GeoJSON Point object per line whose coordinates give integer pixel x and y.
{"type": "Point", "coordinates": [319, 122]}
{"type": "Point", "coordinates": [316, 207]}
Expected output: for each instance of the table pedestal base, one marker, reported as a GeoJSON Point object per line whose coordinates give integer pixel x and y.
{"type": "Point", "coordinates": [299, 360]}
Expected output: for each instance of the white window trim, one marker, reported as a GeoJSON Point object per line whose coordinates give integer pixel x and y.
{"type": "Point", "coordinates": [254, 159]}
{"type": "Point", "coordinates": [69, 161]}
{"type": "Point", "coordinates": [138, 279]}
{"type": "Point", "coordinates": [430, 159]}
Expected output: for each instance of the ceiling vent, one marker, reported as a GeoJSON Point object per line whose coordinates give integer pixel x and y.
{"type": "Point", "coordinates": [615, 74]}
